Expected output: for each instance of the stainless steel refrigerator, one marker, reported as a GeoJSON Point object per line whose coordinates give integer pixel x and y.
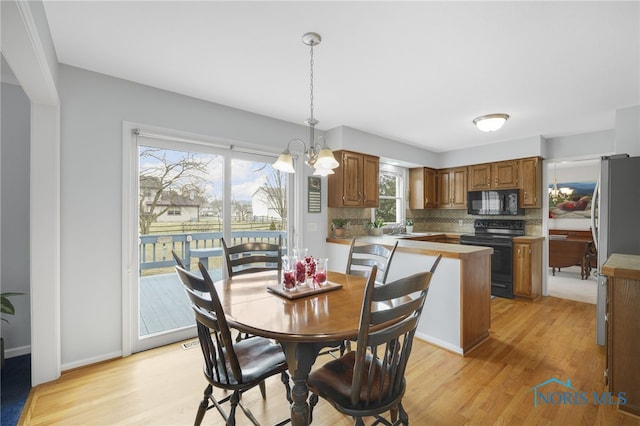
{"type": "Point", "coordinates": [615, 220]}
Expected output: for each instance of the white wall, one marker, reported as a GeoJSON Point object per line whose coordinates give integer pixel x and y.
{"type": "Point", "coordinates": [519, 148]}
{"type": "Point", "coordinates": [93, 111]}
{"type": "Point", "coordinates": [588, 145]}
{"type": "Point", "coordinates": [14, 155]}
{"type": "Point", "coordinates": [628, 131]}
{"type": "Point", "coordinates": [348, 138]}
{"type": "Point", "coordinates": [28, 49]}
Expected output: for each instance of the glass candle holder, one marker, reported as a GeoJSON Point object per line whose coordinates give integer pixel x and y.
{"type": "Point", "coordinates": [288, 274]}
{"type": "Point", "coordinates": [300, 271]}
{"type": "Point", "coordinates": [300, 265]}
{"type": "Point", "coordinates": [321, 270]}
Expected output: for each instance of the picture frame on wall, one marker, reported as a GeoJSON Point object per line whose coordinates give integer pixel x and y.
{"type": "Point", "coordinates": [314, 195]}
{"type": "Point", "coordinates": [570, 200]}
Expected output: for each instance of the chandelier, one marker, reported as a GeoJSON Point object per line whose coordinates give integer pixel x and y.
{"type": "Point", "coordinates": [558, 194]}
{"type": "Point", "coordinates": [318, 155]}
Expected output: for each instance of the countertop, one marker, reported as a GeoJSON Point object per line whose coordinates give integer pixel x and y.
{"type": "Point", "coordinates": [408, 245]}
{"type": "Point", "coordinates": [529, 238]}
{"type": "Point", "coordinates": [622, 266]}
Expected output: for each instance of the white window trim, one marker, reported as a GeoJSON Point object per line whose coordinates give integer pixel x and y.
{"type": "Point", "coordinates": [401, 174]}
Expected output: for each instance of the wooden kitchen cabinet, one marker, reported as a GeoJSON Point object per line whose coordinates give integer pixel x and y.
{"type": "Point", "coordinates": [530, 182]}
{"type": "Point", "coordinates": [623, 329]}
{"type": "Point", "coordinates": [355, 182]}
{"type": "Point", "coordinates": [452, 188]}
{"type": "Point", "coordinates": [527, 267]}
{"type": "Point", "coordinates": [479, 177]}
{"type": "Point", "coordinates": [422, 188]}
{"type": "Point", "coordinates": [498, 175]}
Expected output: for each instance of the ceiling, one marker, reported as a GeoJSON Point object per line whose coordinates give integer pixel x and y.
{"type": "Point", "coordinates": [415, 72]}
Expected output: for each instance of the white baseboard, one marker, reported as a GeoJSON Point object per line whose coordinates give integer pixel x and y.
{"type": "Point", "coordinates": [89, 361]}
{"type": "Point", "coordinates": [440, 343]}
{"type": "Point", "coordinates": [13, 352]}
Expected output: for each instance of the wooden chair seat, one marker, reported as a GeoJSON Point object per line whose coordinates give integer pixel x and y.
{"type": "Point", "coordinates": [370, 380]}
{"type": "Point", "coordinates": [233, 366]}
{"type": "Point", "coordinates": [334, 379]}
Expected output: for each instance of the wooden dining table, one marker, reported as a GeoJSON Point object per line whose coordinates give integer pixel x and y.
{"type": "Point", "coordinates": [303, 326]}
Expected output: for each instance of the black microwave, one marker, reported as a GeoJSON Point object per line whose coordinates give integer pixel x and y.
{"type": "Point", "coordinates": [496, 202]}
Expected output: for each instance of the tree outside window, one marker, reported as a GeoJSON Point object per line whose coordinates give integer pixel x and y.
{"type": "Point", "coordinates": [391, 189]}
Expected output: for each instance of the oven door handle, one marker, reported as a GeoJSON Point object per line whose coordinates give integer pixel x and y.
{"type": "Point", "coordinates": [492, 243]}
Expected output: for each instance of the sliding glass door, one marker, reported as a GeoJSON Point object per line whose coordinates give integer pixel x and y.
{"type": "Point", "coordinates": [188, 195]}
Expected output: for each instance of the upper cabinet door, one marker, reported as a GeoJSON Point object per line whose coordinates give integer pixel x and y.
{"type": "Point", "coordinates": [479, 177]}
{"type": "Point", "coordinates": [452, 188]}
{"type": "Point", "coordinates": [504, 174]}
{"type": "Point", "coordinates": [355, 182]}
{"type": "Point", "coordinates": [459, 188]}
{"type": "Point", "coordinates": [353, 177]}
{"type": "Point", "coordinates": [370, 181]}
{"type": "Point", "coordinates": [499, 175]}
{"type": "Point", "coordinates": [422, 188]}
{"type": "Point", "coordinates": [530, 182]}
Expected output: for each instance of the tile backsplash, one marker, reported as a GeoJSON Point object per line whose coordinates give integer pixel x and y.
{"type": "Point", "coordinates": [430, 220]}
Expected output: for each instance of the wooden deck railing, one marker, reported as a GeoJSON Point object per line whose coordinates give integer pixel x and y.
{"type": "Point", "coordinates": [155, 250]}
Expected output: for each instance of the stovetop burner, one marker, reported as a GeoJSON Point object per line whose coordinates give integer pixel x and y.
{"type": "Point", "coordinates": [499, 231]}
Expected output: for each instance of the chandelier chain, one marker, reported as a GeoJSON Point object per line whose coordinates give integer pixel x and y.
{"type": "Point", "coordinates": [311, 83]}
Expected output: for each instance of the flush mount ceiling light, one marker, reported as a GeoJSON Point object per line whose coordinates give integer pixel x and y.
{"type": "Point", "coordinates": [490, 122]}
{"type": "Point", "coordinates": [319, 156]}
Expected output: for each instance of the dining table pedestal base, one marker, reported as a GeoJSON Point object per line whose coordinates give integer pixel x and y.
{"type": "Point", "coordinates": [300, 358]}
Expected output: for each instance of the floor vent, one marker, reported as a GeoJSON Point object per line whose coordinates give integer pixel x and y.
{"type": "Point", "coordinates": [189, 345]}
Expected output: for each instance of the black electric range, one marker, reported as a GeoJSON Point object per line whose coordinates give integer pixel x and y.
{"type": "Point", "coordinates": [497, 234]}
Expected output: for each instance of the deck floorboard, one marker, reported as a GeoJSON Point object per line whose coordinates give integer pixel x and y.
{"type": "Point", "coordinates": [164, 304]}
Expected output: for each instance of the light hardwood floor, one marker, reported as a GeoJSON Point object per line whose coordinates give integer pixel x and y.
{"type": "Point", "coordinates": [530, 343]}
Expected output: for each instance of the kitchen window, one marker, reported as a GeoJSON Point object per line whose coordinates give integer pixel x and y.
{"type": "Point", "coordinates": [392, 207]}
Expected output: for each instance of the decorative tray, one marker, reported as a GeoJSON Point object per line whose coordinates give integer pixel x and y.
{"type": "Point", "coordinates": [309, 290]}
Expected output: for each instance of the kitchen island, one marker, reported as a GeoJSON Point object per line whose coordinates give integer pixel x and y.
{"type": "Point", "coordinates": [457, 312]}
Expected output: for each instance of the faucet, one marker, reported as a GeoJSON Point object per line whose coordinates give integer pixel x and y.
{"type": "Point", "coordinates": [398, 228]}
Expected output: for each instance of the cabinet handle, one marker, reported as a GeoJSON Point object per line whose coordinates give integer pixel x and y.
{"type": "Point", "coordinates": [488, 181]}
{"type": "Point", "coordinates": [518, 251]}
{"type": "Point", "coordinates": [496, 180]}
{"type": "Point", "coordinates": [426, 201]}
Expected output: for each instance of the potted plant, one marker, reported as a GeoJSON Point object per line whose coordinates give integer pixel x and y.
{"type": "Point", "coordinates": [337, 225]}
{"type": "Point", "coordinates": [376, 226]}
{"type": "Point", "coordinates": [6, 307]}
{"type": "Point", "coordinates": [409, 225]}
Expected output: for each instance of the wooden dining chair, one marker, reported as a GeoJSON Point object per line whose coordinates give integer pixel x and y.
{"type": "Point", "coordinates": [363, 257]}
{"type": "Point", "coordinates": [370, 381]}
{"type": "Point", "coordinates": [232, 366]}
{"type": "Point", "coordinates": [360, 261]}
{"type": "Point", "coordinates": [178, 260]}
{"type": "Point", "coordinates": [247, 258]}
{"type": "Point", "coordinates": [250, 257]}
